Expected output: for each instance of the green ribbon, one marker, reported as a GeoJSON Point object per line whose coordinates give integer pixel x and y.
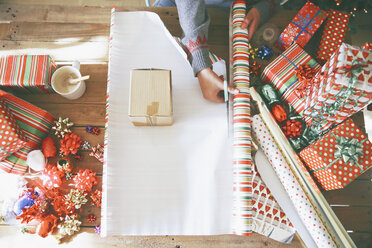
{"type": "Point", "coordinates": [349, 150]}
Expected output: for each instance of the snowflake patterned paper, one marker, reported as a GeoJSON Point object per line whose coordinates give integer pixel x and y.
{"type": "Point", "coordinates": [333, 34]}
{"type": "Point", "coordinates": [339, 157]}
{"type": "Point", "coordinates": [303, 26]}
{"type": "Point", "coordinates": [301, 202]}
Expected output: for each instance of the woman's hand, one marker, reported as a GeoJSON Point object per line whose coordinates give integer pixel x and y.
{"type": "Point", "coordinates": [211, 85]}
{"type": "Point", "coordinates": [251, 21]}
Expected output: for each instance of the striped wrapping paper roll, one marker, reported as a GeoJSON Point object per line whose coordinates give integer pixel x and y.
{"type": "Point", "coordinates": [243, 171]}
{"type": "Point", "coordinates": [31, 73]}
{"type": "Point", "coordinates": [34, 122]}
{"type": "Point", "coordinates": [301, 202]}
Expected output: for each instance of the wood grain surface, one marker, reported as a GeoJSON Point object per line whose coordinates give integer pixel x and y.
{"type": "Point", "coordinates": [70, 30]}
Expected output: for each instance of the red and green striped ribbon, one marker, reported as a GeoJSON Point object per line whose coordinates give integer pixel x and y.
{"type": "Point", "coordinates": [34, 122]}
{"type": "Point", "coordinates": [32, 73]}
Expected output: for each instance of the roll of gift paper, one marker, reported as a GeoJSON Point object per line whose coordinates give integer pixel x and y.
{"type": "Point", "coordinates": [303, 179]}
{"type": "Point", "coordinates": [271, 180]}
{"type": "Point", "coordinates": [268, 218]}
{"type": "Point", "coordinates": [300, 201]}
{"type": "Point", "coordinates": [35, 124]}
{"type": "Point", "coordinates": [242, 206]}
{"type": "Point", "coordinates": [341, 88]}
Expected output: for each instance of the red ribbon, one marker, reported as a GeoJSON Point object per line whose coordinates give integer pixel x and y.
{"type": "Point", "coordinates": [305, 76]}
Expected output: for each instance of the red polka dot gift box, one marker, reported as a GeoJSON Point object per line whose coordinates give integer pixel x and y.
{"type": "Point", "coordinates": [303, 26]}
{"type": "Point", "coordinates": [339, 157]}
{"type": "Point", "coordinates": [12, 137]}
{"type": "Point", "coordinates": [334, 33]}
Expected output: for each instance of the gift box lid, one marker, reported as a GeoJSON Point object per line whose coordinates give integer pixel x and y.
{"type": "Point", "coordinates": [150, 99]}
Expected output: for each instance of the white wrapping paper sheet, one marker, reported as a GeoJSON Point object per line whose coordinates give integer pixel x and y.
{"type": "Point", "coordinates": [163, 180]}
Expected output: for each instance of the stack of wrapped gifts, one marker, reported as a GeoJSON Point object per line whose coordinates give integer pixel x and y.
{"type": "Point", "coordinates": [304, 126]}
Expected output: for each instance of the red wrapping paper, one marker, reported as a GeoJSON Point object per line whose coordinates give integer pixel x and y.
{"type": "Point", "coordinates": [334, 33]}
{"type": "Point", "coordinates": [303, 26]}
{"type": "Point", "coordinates": [334, 169]}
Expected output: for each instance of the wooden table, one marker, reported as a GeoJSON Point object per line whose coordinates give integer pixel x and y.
{"type": "Point", "coordinates": [69, 32]}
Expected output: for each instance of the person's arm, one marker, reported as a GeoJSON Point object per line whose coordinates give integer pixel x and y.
{"type": "Point", "coordinates": [194, 21]}
{"type": "Point", "coordinates": [258, 14]}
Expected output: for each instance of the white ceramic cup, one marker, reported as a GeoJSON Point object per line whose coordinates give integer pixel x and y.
{"type": "Point", "coordinates": [60, 81]}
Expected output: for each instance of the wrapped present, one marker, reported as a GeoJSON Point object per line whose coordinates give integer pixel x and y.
{"type": "Point", "coordinates": [282, 73]}
{"type": "Point", "coordinates": [333, 34]}
{"type": "Point", "coordinates": [35, 124]}
{"type": "Point", "coordinates": [339, 157]}
{"type": "Point", "coordinates": [12, 137]}
{"type": "Point", "coordinates": [341, 88]}
{"type": "Point", "coordinates": [303, 26]}
{"type": "Point", "coordinates": [30, 73]}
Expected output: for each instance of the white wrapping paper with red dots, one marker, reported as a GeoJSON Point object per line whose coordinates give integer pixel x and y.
{"type": "Point", "coordinates": [297, 195]}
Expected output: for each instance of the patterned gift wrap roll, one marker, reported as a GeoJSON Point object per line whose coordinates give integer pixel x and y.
{"type": "Point", "coordinates": [242, 206]}
{"type": "Point", "coordinates": [281, 72]}
{"type": "Point", "coordinates": [12, 137]}
{"type": "Point", "coordinates": [333, 34]}
{"type": "Point", "coordinates": [303, 26]}
{"type": "Point", "coordinates": [341, 88]}
{"type": "Point", "coordinates": [31, 73]}
{"type": "Point", "coordinates": [299, 199]}
{"type": "Point", "coordinates": [268, 218]}
{"type": "Point", "coordinates": [35, 124]}
{"type": "Point", "coordinates": [104, 214]}
{"type": "Point", "coordinates": [339, 157]}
